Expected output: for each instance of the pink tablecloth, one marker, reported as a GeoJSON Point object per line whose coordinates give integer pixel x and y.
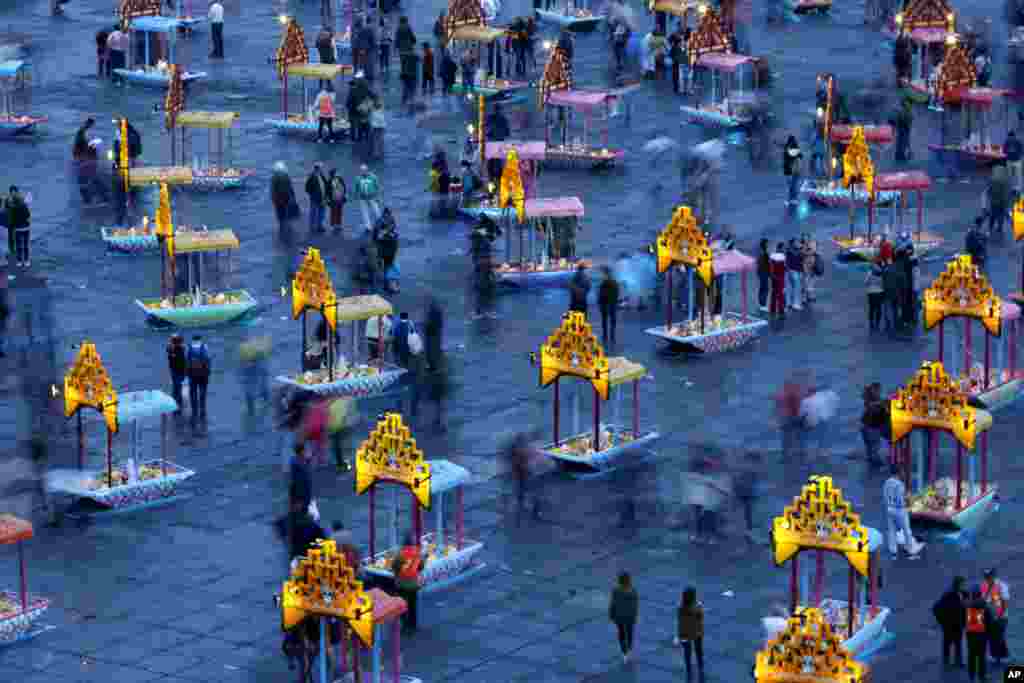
{"type": "Point", "coordinates": [579, 99]}
{"type": "Point", "coordinates": [533, 150]}
{"type": "Point", "coordinates": [554, 207]}
{"type": "Point", "coordinates": [723, 61]}
{"type": "Point", "coordinates": [902, 181]}
{"type": "Point", "coordinates": [732, 261]}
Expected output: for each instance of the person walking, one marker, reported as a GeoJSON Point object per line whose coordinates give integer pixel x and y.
{"type": "Point", "coordinates": [338, 195]}
{"type": "Point", "coordinates": [979, 623]}
{"type": "Point", "coordinates": [876, 295]}
{"type": "Point", "coordinates": [622, 611]}
{"type": "Point", "coordinates": [894, 282]}
{"type": "Point", "coordinates": [178, 367]}
{"type": "Point", "coordinates": [677, 53]}
{"type": "Point", "coordinates": [316, 189]}
{"type": "Point", "coordinates": [441, 33]}
{"type": "Point", "coordinates": [253, 355]}
{"type": "Point", "coordinates": [904, 125]}
{"type": "Point", "coordinates": [405, 39]}
{"type": "Point", "coordinates": [608, 302]}
{"type": "Point", "coordinates": [428, 70]}
{"type": "Point", "coordinates": [410, 73]}
{"type": "Point", "coordinates": [998, 200]}
{"type": "Point", "coordinates": [997, 596]}
{"type": "Point", "coordinates": [1014, 151]}
{"type": "Point", "coordinates": [813, 268]}
{"type": "Point", "coordinates": [368, 193]}
{"type": "Point", "coordinates": [199, 365]}
{"type": "Point", "coordinates": [117, 52]}
{"type": "Point", "coordinates": [518, 454]}
{"type": "Point", "coordinates": [5, 314]}
{"type": "Point", "coordinates": [579, 290]}
{"type": "Point", "coordinates": [449, 70]}
{"type": "Point", "coordinates": [794, 275]}
{"type": "Point", "coordinates": [976, 245]}
{"type": "Point", "coordinates": [745, 485]}
{"type": "Point", "coordinates": [282, 196]}
{"type": "Point", "coordinates": [894, 494]}
{"type": "Point", "coordinates": [792, 158]}
{"type": "Point", "coordinates": [216, 17]}
{"type": "Point", "coordinates": [764, 275]}
{"type": "Point", "coordinates": [951, 613]}
{"type": "Point", "coordinates": [19, 219]}
{"type": "Point", "coordinates": [384, 47]}
{"type": "Point", "coordinates": [406, 568]}
{"type": "Point", "coordinates": [690, 630]}
{"type": "Point", "coordinates": [777, 264]}
{"type": "Point", "coordinates": [102, 57]}
{"type": "Point", "coordinates": [873, 423]}
{"type": "Point", "coordinates": [324, 105]}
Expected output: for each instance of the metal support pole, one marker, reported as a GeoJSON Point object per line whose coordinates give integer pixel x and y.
{"type": "Point", "coordinates": [81, 441]}
{"type": "Point", "coordinates": [597, 420]}
{"type": "Point", "coordinates": [691, 294]}
{"type": "Point", "coordinates": [373, 527]}
{"type": "Point", "coordinates": [819, 576]}
{"type": "Point", "coordinates": [557, 392]}
{"type": "Point", "coordinates": [439, 519]}
{"type": "Point", "coordinates": [984, 463]}
{"type": "Point", "coordinates": [323, 649]}
{"type": "Point", "coordinates": [396, 651]}
{"type": "Point", "coordinates": [967, 346]}
{"type": "Point", "coordinates": [357, 666]}
{"type": "Point", "coordinates": [460, 519]}
{"type": "Point", "coordinates": [284, 93]}
{"type": "Point", "coordinates": [959, 474]}
{"type": "Point", "coordinates": [988, 360]}
{"type": "Point", "coordinates": [375, 658]}
{"type": "Point", "coordinates": [302, 358]}
{"type": "Point", "coordinates": [23, 574]}
{"type": "Point", "coordinates": [942, 341]}
{"type": "Point", "coordinates": [110, 458]}
{"type": "Point", "coordinates": [668, 299]}
{"type": "Point", "coordinates": [852, 600]}
{"type": "Point", "coordinates": [873, 579]}
{"type": "Point", "coordinates": [794, 584]}
{"type": "Point", "coordinates": [933, 453]}
{"type": "Point", "coordinates": [743, 290]}
{"type": "Point", "coordinates": [417, 520]}
{"type": "Point", "coordinates": [636, 409]}
{"type": "Point", "coordinates": [920, 214]}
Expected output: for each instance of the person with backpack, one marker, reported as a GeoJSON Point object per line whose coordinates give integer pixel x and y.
{"type": "Point", "coordinates": [951, 613]}
{"type": "Point", "coordinates": [282, 197]}
{"type": "Point", "coordinates": [979, 622]}
{"type": "Point", "coordinates": [316, 189]}
{"type": "Point", "coordinates": [178, 367]}
{"type": "Point", "coordinates": [764, 276]}
{"type": "Point", "coordinates": [579, 290]}
{"type": "Point", "coordinates": [198, 358]}
{"type": "Point", "coordinates": [690, 631]}
{"type": "Point", "coordinates": [337, 196]}
{"type": "Point", "coordinates": [794, 276]}
{"type": "Point", "coordinates": [18, 222]}
{"type": "Point", "coordinates": [406, 568]}
{"type": "Point", "coordinates": [622, 611]}
{"type": "Point", "coordinates": [368, 193]}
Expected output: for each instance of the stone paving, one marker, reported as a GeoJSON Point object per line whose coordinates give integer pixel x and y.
{"type": "Point", "coordinates": [184, 593]}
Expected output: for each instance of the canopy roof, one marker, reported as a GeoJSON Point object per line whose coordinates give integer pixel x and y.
{"type": "Point", "coordinates": [12, 68]}
{"type": "Point", "coordinates": [723, 61]}
{"type": "Point", "coordinates": [207, 119]}
{"type": "Point", "coordinates": [480, 34]}
{"type": "Point", "coordinates": [353, 308]}
{"type": "Point", "coordinates": [902, 181]}
{"type": "Point", "coordinates": [677, 8]}
{"type": "Point", "coordinates": [732, 261]}
{"type": "Point", "coordinates": [580, 99]}
{"type": "Point", "coordinates": [709, 37]}
{"type": "Point", "coordinates": [929, 36]}
{"type": "Point", "coordinates": [462, 17]}
{"type": "Point", "coordinates": [324, 72]}
{"type": "Point", "coordinates": [138, 405]}
{"type": "Point", "coordinates": [963, 291]}
{"type": "Point", "coordinates": [527, 151]}
{"type": "Point", "coordinates": [204, 240]}
{"type": "Point", "coordinates": [933, 400]}
{"type": "Point", "coordinates": [982, 96]}
{"type": "Point", "coordinates": [155, 24]}
{"type": "Point", "coordinates": [878, 135]}
{"type": "Point", "coordinates": [554, 207]}
{"type": "Point", "coordinates": [390, 454]}
{"type": "Point", "coordinates": [446, 475]}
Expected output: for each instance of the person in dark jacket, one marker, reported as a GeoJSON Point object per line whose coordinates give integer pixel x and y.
{"type": "Point", "coordinates": [872, 421]}
{"type": "Point", "coordinates": [690, 632]}
{"type": "Point", "coordinates": [300, 490]}
{"type": "Point", "coordinates": [903, 57]}
{"type": "Point", "coordinates": [303, 531]}
{"type": "Point", "coordinates": [325, 48]}
{"type": "Point", "coordinates": [405, 39]}
{"type": "Point", "coordinates": [428, 70]}
{"type": "Point", "coordinates": [622, 611]}
{"type": "Point", "coordinates": [608, 302]}
{"type": "Point", "coordinates": [498, 130]}
{"type": "Point", "coordinates": [282, 196]}
{"type": "Point", "coordinates": [951, 613]}
{"type": "Point", "coordinates": [579, 289]}
{"type": "Point", "coordinates": [199, 366]}
{"type": "Point", "coordinates": [998, 200]}
{"type": "Point", "coordinates": [677, 52]}
{"type": "Point", "coordinates": [18, 222]}
{"type": "Point", "coordinates": [1014, 151]}
{"type": "Point", "coordinates": [764, 276]}
{"type": "Point", "coordinates": [178, 368]}
{"type": "Point", "coordinates": [409, 74]}
{"type": "Point", "coordinates": [792, 158]}
{"type": "Point", "coordinates": [979, 621]}
{"type": "Point", "coordinates": [976, 245]}
{"type": "Point", "coordinates": [449, 69]}
{"type": "Point", "coordinates": [894, 282]}
{"type": "Point", "coordinates": [316, 189]}
{"type": "Point", "coordinates": [777, 271]}
{"type": "Point", "coordinates": [794, 275]}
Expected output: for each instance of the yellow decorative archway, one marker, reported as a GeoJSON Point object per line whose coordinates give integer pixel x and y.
{"type": "Point", "coordinates": [962, 290]}
{"type": "Point", "coordinates": [573, 350]}
{"type": "Point", "coordinates": [820, 518]}
{"type": "Point", "coordinates": [292, 49]}
{"type": "Point", "coordinates": [323, 584]}
{"type": "Point", "coordinates": [1018, 220]}
{"type": "Point", "coordinates": [956, 75]}
{"type": "Point", "coordinates": [710, 36]}
{"type": "Point", "coordinates": [463, 13]}
{"type": "Point", "coordinates": [511, 186]}
{"type": "Point", "coordinates": [928, 14]}
{"type": "Point", "coordinates": [390, 454]}
{"type": "Point", "coordinates": [131, 9]}
{"type": "Point", "coordinates": [312, 289]}
{"type": "Point", "coordinates": [87, 385]}
{"type": "Point", "coordinates": [808, 650]}
{"type": "Point", "coordinates": [932, 400]}
{"type": "Point", "coordinates": [682, 241]}
{"type": "Point", "coordinates": [857, 165]}
{"type": "Point", "coordinates": [557, 76]}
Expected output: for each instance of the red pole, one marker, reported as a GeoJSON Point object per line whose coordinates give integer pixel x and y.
{"type": "Point", "coordinates": [794, 583]}
{"type": "Point", "coordinates": [636, 409]}
{"type": "Point", "coordinates": [933, 447]}
{"type": "Point", "coordinates": [853, 599]}
{"type": "Point", "coordinates": [597, 420]}
{"type": "Point", "coordinates": [668, 300]}
{"type": "Point", "coordinates": [988, 358]}
{"type": "Point", "coordinates": [920, 213]}
{"type": "Point", "coordinates": [417, 520]}
{"type": "Point", "coordinates": [373, 525]}
{"type": "Point", "coordinates": [356, 667]}
{"type": "Point", "coordinates": [942, 342]}
{"type": "Point", "coordinates": [556, 410]}
{"type": "Point", "coordinates": [24, 576]}
{"type": "Point", "coordinates": [984, 463]}
{"type": "Point", "coordinates": [1013, 349]}
{"type": "Point", "coordinates": [81, 442]}
{"type": "Point", "coordinates": [460, 520]}
{"type": "Point", "coordinates": [959, 475]}
{"type": "Point", "coordinates": [905, 457]}
{"type": "Point", "coordinates": [343, 652]}
{"type": "Point", "coordinates": [110, 458]}
{"type": "Point", "coordinates": [743, 289]}
{"type": "Point", "coordinates": [872, 579]}
{"type": "Point", "coordinates": [163, 443]}
{"type": "Point", "coordinates": [284, 92]}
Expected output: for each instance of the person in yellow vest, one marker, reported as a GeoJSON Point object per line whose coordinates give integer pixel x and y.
{"type": "Point", "coordinates": [979, 622]}
{"type": "Point", "coordinates": [997, 596]}
{"type": "Point", "coordinates": [406, 567]}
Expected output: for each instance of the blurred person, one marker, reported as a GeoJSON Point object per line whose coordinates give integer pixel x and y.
{"type": "Point", "coordinates": [324, 106]}
{"type": "Point", "coordinates": [406, 568]}
{"type": "Point", "coordinates": [254, 355]}
{"type": "Point", "coordinates": [608, 302]}
{"type": "Point", "coordinates": [894, 286]}
{"type": "Point", "coordinates": [579, 290]}
{"type": "Point", "coordinates": [999, 200]}
{"type": "Point", "coordinates": [894, 494]}
{"type": "Point", "coordinates": [788, 408]}
{"type": "Point", "coordinates": [378, 129]}
{"type": "Point", "coordinates": [623, 609]}
{"type": "Point", "coordinates": [873, 423]}
{"type": "Point", "coordinates": [1014, 150]}
{"type": "Point", "coordinates": [300, 486]}
{"type": "Point", "coordinates": [764, 276]}
{"type": "Point", "coordinates": [777, 265]}
{"type": "Point", "coordinates": [117, 53]}
{"type": "Point", "coordinates": [378, 336]}
{"type": "Point", "coordinates": [178, 367]}
{"type": "Point", "coordinates": [876, 295]}
{"type": "Point", "coordinates": [428, 70]}
{"type": "Point", "coordinates": [102, 56]}
{"type": "Point", "coordinates": [5, 313]}
{"type": "Point", "coordinates": [997, 596]}
{"type": "Point", "coordinates": [337, 196]}
{"type": "Point", "coordinates": [19, 219]}
{"type": "Point", "coordinates": [794, 276]}
{"type": "Point", "coordinates": [384, 44]}
{"type": "Point", "coordinates": [791, 161]}
{"type": "Point", "coordinates": [216, 18]}
{"type": "Point", "coordinates": [199, 363]}
{"type": "Point", "coordinates": [367, 188]}
{"type": "Point", "coordinates": [979, 624]}
{"type": "Point", "coordinates": [813, 268]}
{"type": "Point", "coordinates": [951, 614]}
{"type": "Point", "coordinates": [316, 190]}
{"type": "Point", "coordinates": [690, 630]}
{"type": "Point", "coordinates": [518, 454]}
{"type": "Point", "coordinates": [341, 417]}
{"type": "Point", "coordinates": [282, 196]}
{"type": "Point", "coordinates": [745, 485]}
{"type": "Point", "coordinates": [410, 69]}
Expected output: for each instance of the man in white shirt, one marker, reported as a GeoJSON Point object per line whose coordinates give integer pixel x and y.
{"type": "Point", "coordinates": [894, 494]}
{"type": "Point", "coordinates": [216, 17]}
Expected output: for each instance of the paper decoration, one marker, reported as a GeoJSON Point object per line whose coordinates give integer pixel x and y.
{"type": "Point", "coordinates": [87, 385]}
{"type": "Point", "coordinates": [162, 219]}
{"type": "Point", "coordinates": [927, 14]}
{"type": "Point", "coordinates": [123, 156]}
{"type": "Point", "coordinates": [131, 9]}
{"type": "Point", "coordinates": [710, 36]}
{"type": "Point", "coordinates": [511, 187]}
{"type": "Point", "coordinates": [683, 242]}
{"type": "Point", "coordinates": [292, 49]}
{"type": "Point", "coordinates": [858, 169]}
{"type": "Point", "coordinates": [463, 13]}
{"type": "Point", "coordinates": [573, 350]}
{"type": "Point", "coordinates": [312, 289]}
{"type": "Point", "coordinates": [323, 584]}
{"type": "Point", "coordinates": [557, 76]}
{"type": "Point", "coordinates": [390, 454]}
{"type": "Point", "coordinates": [820, 518]}
{"type": "Point", "coordinates": [174, 101]}
{"type": "Point", "coordinates": [933, 400]}
{"type": "Point", "coordinates": [808, 651]}
{"type": "Point", "coordinates": [962, 290]}
{"type": "Point", "coordinates": [956, 74]}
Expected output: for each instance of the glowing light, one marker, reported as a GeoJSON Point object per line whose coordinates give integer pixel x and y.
{"type": "Point", "coordinates": [899, 19]}
{"type": "Point", "coordinates": [283, 19]}
{"type": "Point", "coordinates": [702, 8]}
{"type": "Point", "coordinates": [821, 112]}
{"type": "Point", "coordinates": [951, 39]}
{"type": "Point", "coordinates": [546, 44]}
{"type": "Point", "coordinates": [470, 128]}
{"type": "Point", "coordinates": [284, 291]}
{"type": "Point", "coordinates": [110, 155]}
{"type": "Point", "coordinates": [54, 391]}
{"type": "Point", "coordinates": [490, 187]}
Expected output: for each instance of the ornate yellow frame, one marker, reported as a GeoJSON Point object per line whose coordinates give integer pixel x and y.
{"type": "Point", "coordinates": [857, 164]}
{"type": "Point", "coordinates": [511, 186]}
{"type": "Point", "coordinates": [573, 350]}
{"type": "Point", "coordinates": [390, 454]}
{"type": "Point", "coordinates": [682, 241]}
{"type": "Point", "coordinates": [808, 650]}
{"type": "Point", "coordinates": [312, 289]}
{"type": "Point", "coordinates": [87, 385]}
{"type": "Point", "coordinates": [292, 49]}
{"type": "Point", "coordinates": [931, 400]}
{"type": "Point", "coordinates": [963, 290]}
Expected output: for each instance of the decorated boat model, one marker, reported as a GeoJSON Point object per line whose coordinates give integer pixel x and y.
{"type": "Point", "coordinates": [709, 327]}
{"type": "Point", "coordinates": [291, 60]}
{"type": "Point", "coordinates": [325, 371]}
{"type": "Point", "coordinates": [573, 351]}
{"type": "Point", "coordinates": [930, 406]}
{"type": "Point", "coordinates": [154, 72]}
{"type": "Point", "coordinates": [19, 611]}
{"type": "Point", "coordinates": [572, 18]}
{"type": "Point", "coordinates": [137, 481]}
{"type": "Point", "coordinates": [930, 26]}
{"type": "Point", "coordinates": [390, 455]}
{"type": "Point", "coordinates": [15, 98]}
{"type": "Point", "coordinates": [830, 191]}
{"type": "Point", "coordinates": [466, 26]}
{"type": "Point", "coordinates": [821, 521]}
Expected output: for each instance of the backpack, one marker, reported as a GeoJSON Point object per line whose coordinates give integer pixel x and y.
{"type": "Point", "coordinates": [199, 361]}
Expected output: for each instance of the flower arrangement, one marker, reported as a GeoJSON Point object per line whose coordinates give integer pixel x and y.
{"type": "Point", "coordinates": [940, 497]}
{"type": "Point", "coordinates": [717, 323]}
{"type": "Point", "coordinates": [203, 299]}
{"type": "Point", "coordinates": [119, 477]}
{"type": "Point", "coordinates": [322, 376]}
{"type": "Point", "coordinates": [583, 445]}
{"type": "Point", "coordinates": [837, 614]}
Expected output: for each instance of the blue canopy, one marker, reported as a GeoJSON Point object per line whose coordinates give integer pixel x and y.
{"type": "Point", "coordinates": [12, 68]}
{"type": "Point", "coordinates": [156, 24]}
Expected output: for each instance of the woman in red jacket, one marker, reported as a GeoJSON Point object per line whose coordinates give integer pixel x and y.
{"type": "Point", "coordinates": [777, 271]}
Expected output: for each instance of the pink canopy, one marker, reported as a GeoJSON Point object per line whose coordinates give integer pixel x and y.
{"type": "Point", "coordinates": [732, 261]}
{"type": "Point", "coordinates": [878, 135]}
{"type": "Point", "coordinates": [902, 181]}
{"type": "Point", "coordinates": [535, 150]}
{"type": "Point", "coordinates": [982, 96]}
{"type": "Point", "coordinates": [580, 99]}
{"type": "Point", "coordinates": [1009, 311]}
{"type": "Point", "coordinates": [929, 35]}
{"type": "Point", "coordinates": [723, 61]}
{"type": "Point", "coordinates": [554, 207]}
